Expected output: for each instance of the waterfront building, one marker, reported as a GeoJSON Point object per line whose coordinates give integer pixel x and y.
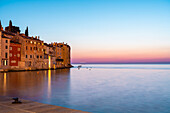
{"type": "Point", "coordinates": [14, 54]}
{"type": "Point", "coordinates": [62, 55]}
{"type": "Point", "coordinates": [4, 51]}
{"type": "Point", "coordinates": [21, 52]}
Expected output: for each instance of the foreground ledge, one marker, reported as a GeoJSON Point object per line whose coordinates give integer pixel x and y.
{"type": "Point", "coordinates": [28, 106]}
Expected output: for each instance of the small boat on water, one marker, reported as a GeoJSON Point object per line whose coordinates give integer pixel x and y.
{"type": "Point", "coordinates": [79, 66]}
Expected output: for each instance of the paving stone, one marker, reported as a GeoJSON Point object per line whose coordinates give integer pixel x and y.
{"type": "Point", "coordinates": [5, 109]}
{"type": "Point", "coordinates": [42, 108]}
{"type": "Point", "coordinates": [28, 106]}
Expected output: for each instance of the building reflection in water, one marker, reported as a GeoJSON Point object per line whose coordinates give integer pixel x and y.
{"type": "Point", "coordinates": [4, 87]}
{"type": "Point", "coordinates": [35, 85]}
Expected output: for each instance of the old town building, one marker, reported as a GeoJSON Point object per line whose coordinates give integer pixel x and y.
{"type": "Point", "coordinates": [22, 52]}
{"type": "Point", "coordinates": [14, 54]}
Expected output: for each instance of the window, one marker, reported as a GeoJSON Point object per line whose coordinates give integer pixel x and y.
{"type": "Point", "coordinates": [10, 48]}
{"type": "Point", "coordinates": [38, 49]}
{"type": "Point", "coordinates": [31, 42]}
{"type": "Point", "coordinates": [19, 49]}
{"type": "Point", "coordinates": [6, 55]}
{"type": "Point", "coordinates": [30, 56]}
{"type": "Point", "coordinates": [26, 47]}
{"type": "Point", "coordinates": [18, 55]}
{"type": "Point", "coordinates": [13, 61]}
{"type": "Point", "coordinates": [10, 54]}
{"type": "Point", "coordinates": [34, 42]}
{"type": "Point", "coordinates": [37, 56]}
{"type": "Point", "coordinates": [30, 48]}
{"type": "Point", "coordinates": [6, 47]}
{"type": "Point", "coordinates": [5, 62]}
{"type": "Point", "coordinates": [6, 41]}
{"type": "Point", "coordinates": [40, 56]}
{"type": "Point", "coordinates": [26, 56]}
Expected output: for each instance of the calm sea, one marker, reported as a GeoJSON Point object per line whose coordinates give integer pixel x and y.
{"type": "Point", "coordinates": [98, 88]}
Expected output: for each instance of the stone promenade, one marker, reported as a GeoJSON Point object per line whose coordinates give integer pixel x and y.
{"type": "Point", "coordinates": [28, 106]}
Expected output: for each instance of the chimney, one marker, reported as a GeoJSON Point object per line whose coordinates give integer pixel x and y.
{"type": "Point", "coordinates": [38, 37]}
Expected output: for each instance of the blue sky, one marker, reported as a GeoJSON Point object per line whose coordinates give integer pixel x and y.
{"type": "Point", "coordinates": [97, 29]}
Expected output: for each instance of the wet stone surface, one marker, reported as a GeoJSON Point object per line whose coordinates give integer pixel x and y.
{"type": "Point", "coordinates": [27, 106]}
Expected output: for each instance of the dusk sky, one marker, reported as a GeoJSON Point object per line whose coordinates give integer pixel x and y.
{"type": "Point", "coordinates": [98, 31]}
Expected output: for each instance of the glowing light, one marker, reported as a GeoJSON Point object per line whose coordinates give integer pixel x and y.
{"type": "Point", "coordinates": [5, 63]}
{"type": "Point", "coordinates": [54, 66]}
{"type": "Point", "coordinates": [49, 59]}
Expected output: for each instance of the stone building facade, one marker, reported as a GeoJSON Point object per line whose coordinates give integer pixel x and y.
{"type": "Point", "coordinates": [21, 52]}
{"type": "Point", "coordinates": [14, 54]}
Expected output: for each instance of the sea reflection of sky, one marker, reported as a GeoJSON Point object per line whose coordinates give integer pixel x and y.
{"type": "Point", "coordinates": [94, 89]}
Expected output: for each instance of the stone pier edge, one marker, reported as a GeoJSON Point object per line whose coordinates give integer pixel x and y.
{"type": "Point", "coordinates": [28, 106]}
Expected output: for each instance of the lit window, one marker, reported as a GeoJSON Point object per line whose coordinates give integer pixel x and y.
{"type": "Point", "coordinates": [18, 55]}
{"type": "Point", "coordinates": [13, 61]}
{"type": "Point", "coordinates": [5, 62]}
{"type": "Point", "coordinates": [19, 49]}
{"type": "Point", "coordinates": [10, 54]}
{"type": "Point", "coordinates": [31, 42]}
{"type": "Point", "coordinates": [10, 48]}
{"type": "Point", "coordinates": [34, 42]}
